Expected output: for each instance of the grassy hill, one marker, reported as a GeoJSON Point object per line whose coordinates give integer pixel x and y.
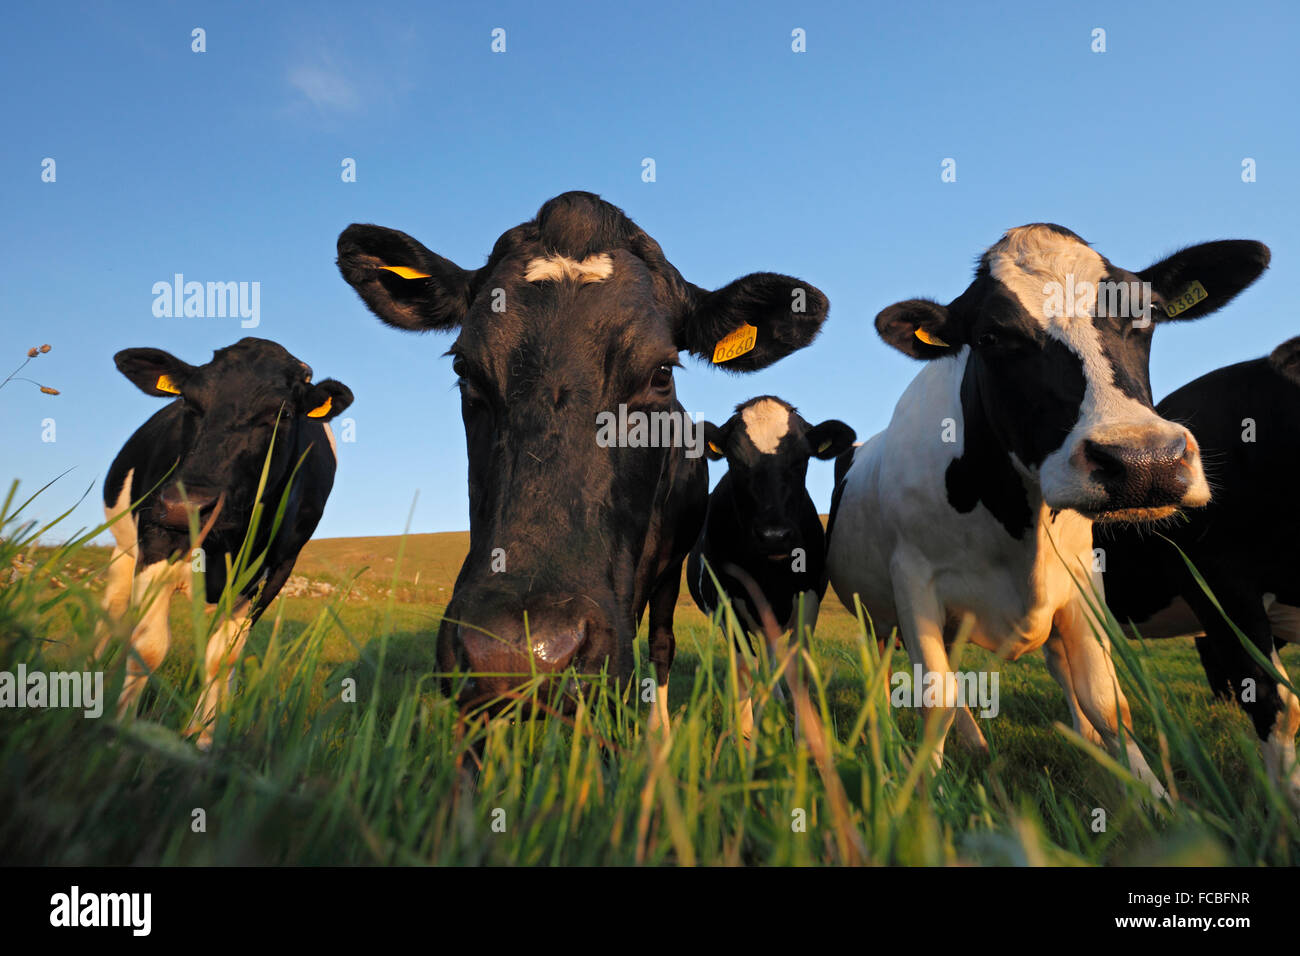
{"type": "Point", "coordinates": [422, 568]}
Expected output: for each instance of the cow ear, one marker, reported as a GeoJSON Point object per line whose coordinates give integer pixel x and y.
{"type": "Point", "coordinates": [401, 281]}
{"type": "Point", "coordinates": [154, 371]}
{"type": "Point", "coordinates": [830, 439]}
{"type": "Point", "coordinates": [1286, 359]}
{"type": "Point", "coordinates": [326, 399]}
{"type": "Point", "coordinates": [752, 322]}
{"type": "Point", "coordinates": [1203, 279]}
{"type": "Point", "coordinates": [920, 328]}
{"type": "Point", "coordinates": [714, 442]}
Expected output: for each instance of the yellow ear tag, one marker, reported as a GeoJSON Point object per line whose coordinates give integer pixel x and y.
{"type": "Point", "coordinates": [735, 343]}
{"type": "Point", "coordinates": [165, 384]}
{"type": "Point", "coordinates": [930, 339]}
{"type": "Point", "coordinates": [715, 449]}
{"type": "Point", "coordinates": [823, 446]}
{"type": "Point", "coordinates": [1193, 294]}
{"type": "Point", "coordinates": [320, 411]}
{"type": "Point", "coordinates": [406, 273]}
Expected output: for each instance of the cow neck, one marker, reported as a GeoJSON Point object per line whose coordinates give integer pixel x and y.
{"type": "Point", "coordinates": [984, 472]}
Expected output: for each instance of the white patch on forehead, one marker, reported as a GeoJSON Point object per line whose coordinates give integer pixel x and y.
{"type": "Point", "coordinates": [1027, 260]}
{"type": "Point", "coordinates": [1035, 262]}
{"type": "Point", "coordinates": [554, 268]}
{"type": "Point", "coordinates": [766, 423]}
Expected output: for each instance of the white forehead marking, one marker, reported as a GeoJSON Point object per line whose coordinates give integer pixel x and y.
{"type": "Point", "coordinates": [1029, 258]}
{"type": "Point", "coordinates": [766, 423]}
{"type": "Point", "coordinates": [554, 268]}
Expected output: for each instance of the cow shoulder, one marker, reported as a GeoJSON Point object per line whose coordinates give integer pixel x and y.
{"type": "Point", "coordinates": [147, 454]}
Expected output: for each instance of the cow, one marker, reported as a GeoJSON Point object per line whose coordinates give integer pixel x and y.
{"type": "Point", "coordinates": [576, 319]}
{"type": "Point", "coordinates": [761, 519]}
{"type": "Point", "coordinates": [1031, 419]}
{"type": "Point", "coordinates": [1246, 418]}
{"type": "Point", "coordinates": [202, 455]}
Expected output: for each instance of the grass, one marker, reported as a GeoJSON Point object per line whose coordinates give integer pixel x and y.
{"type": "Point", "coordinates": [339, 749]}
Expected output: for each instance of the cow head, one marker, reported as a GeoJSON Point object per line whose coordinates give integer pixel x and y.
{"type": "Point", "coordinates": [575, 314]}
{"type": "Point", "coordinates": [767, 445]}
{"type": "Point", "coordinates": [1057, 342]}
{"type": "Point", "coordinates": [231, 408]}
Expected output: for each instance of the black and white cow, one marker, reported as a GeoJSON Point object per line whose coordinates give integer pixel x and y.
{"type": "Point", "coordinates": [1246, 418]}
{"type": "Point", "coordinates": [576, 317]}
{"type": "Point", "coordinates": [204, 453]}
{"type": "Point", "coordinates": [761, 518]}
{"type": "Point", "coordinates": [1031, 419]}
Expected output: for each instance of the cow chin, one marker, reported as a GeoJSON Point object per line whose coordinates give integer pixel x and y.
{"type": "Point", "coordinates": [1132, 515]}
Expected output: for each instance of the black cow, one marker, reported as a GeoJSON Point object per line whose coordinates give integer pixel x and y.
{"type": "Point", "coordinates": [1246, 418]}
{"type": "Point", "coordinates": [577, 318]}
{"type": "Point", "coordinates": [204, 453]}
{"type": "Point", "coordinates": [761, 518]}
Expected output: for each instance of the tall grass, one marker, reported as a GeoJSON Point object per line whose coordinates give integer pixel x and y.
{"type": "Point", "coordinates": [365, 761]}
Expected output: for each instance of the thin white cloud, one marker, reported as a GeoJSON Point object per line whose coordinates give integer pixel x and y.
{"type": "Point", "coordinates": [326, 88]}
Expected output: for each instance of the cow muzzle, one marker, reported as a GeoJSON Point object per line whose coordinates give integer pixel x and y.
{"type": "Point", "coordinates": [175, 505]}
{"type": "Point", "coordinates": [1140, 473]}
{"type": "Point", "coordinates": [506, 651]}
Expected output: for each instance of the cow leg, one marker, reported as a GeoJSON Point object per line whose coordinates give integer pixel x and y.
{"type": "Point", "coordinates": [121, 566]}
{"type": "Point", "coordinates": [966, 725]}
{"type": "Point", "coordinates": [152, 589]}
{"type": "Point", "coordinates": [920, 624]}
{"type": "Point", "coordinates": [1272, 708]}
{"type": "Point", "coordinates": [1058, 665]}
{"type": "Point", "coordinates": [812, 606]}
{"type": "Point", "coordinates": [744, 697]}
{"type": "Point", "coordinates": [663, 645]}
{"type": "Point", "coordinates": [1279, 747]}
{"type": "Point", "coordinates": [1096, 687]}
{"type": "Point", "coordinates": [745, 718]}
{"type": "Point", "coordinates": [224, 648]}
{"type": "Point", "coordinates": [117, 597]}
{"type": "Point", "coordinates": [1215, 667]}
{"type": "Point", "coordinates": [968, 729]}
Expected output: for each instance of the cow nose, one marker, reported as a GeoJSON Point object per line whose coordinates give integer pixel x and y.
{"type": "Point", "coordinates": [776, 540]}
{"type": "Point", "coordinates": [1139, 474]}
{"type": "Point", "coordinates": [501, 653]}
{"type": "Point", "coordinates": [173, 504]}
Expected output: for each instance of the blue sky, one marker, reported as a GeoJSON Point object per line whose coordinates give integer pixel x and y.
{"type": "Point", "coordinates": [225, 166]}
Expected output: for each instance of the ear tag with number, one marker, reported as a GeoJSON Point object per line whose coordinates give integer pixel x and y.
{"type": "Point", "coordinates": [165, 384]}
{"type": "Point", "coordinates": [735, 344]}
{"type": "Point", "coordinates": [1189, 297]}
{"type": "Point", "coordinates": [406, 273]}
{"type": "Point", "coordinates": [320, 411]}
{"type": "Point", "coordinates": [930, 338]}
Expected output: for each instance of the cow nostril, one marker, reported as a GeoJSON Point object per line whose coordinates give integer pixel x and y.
{"type": "Point", "coordinates": [1179, 451]}
{"type": "Point", "coordinates": [1106, 459]}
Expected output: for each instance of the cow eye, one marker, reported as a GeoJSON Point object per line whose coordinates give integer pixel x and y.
{"type": "Point", "coordinates": [987, 340]}
{"type": "Point", "coordinates": [662, 379]}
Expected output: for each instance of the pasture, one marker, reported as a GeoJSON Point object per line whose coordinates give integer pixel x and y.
{"type": "Point", "coordinates": [339, 748]}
